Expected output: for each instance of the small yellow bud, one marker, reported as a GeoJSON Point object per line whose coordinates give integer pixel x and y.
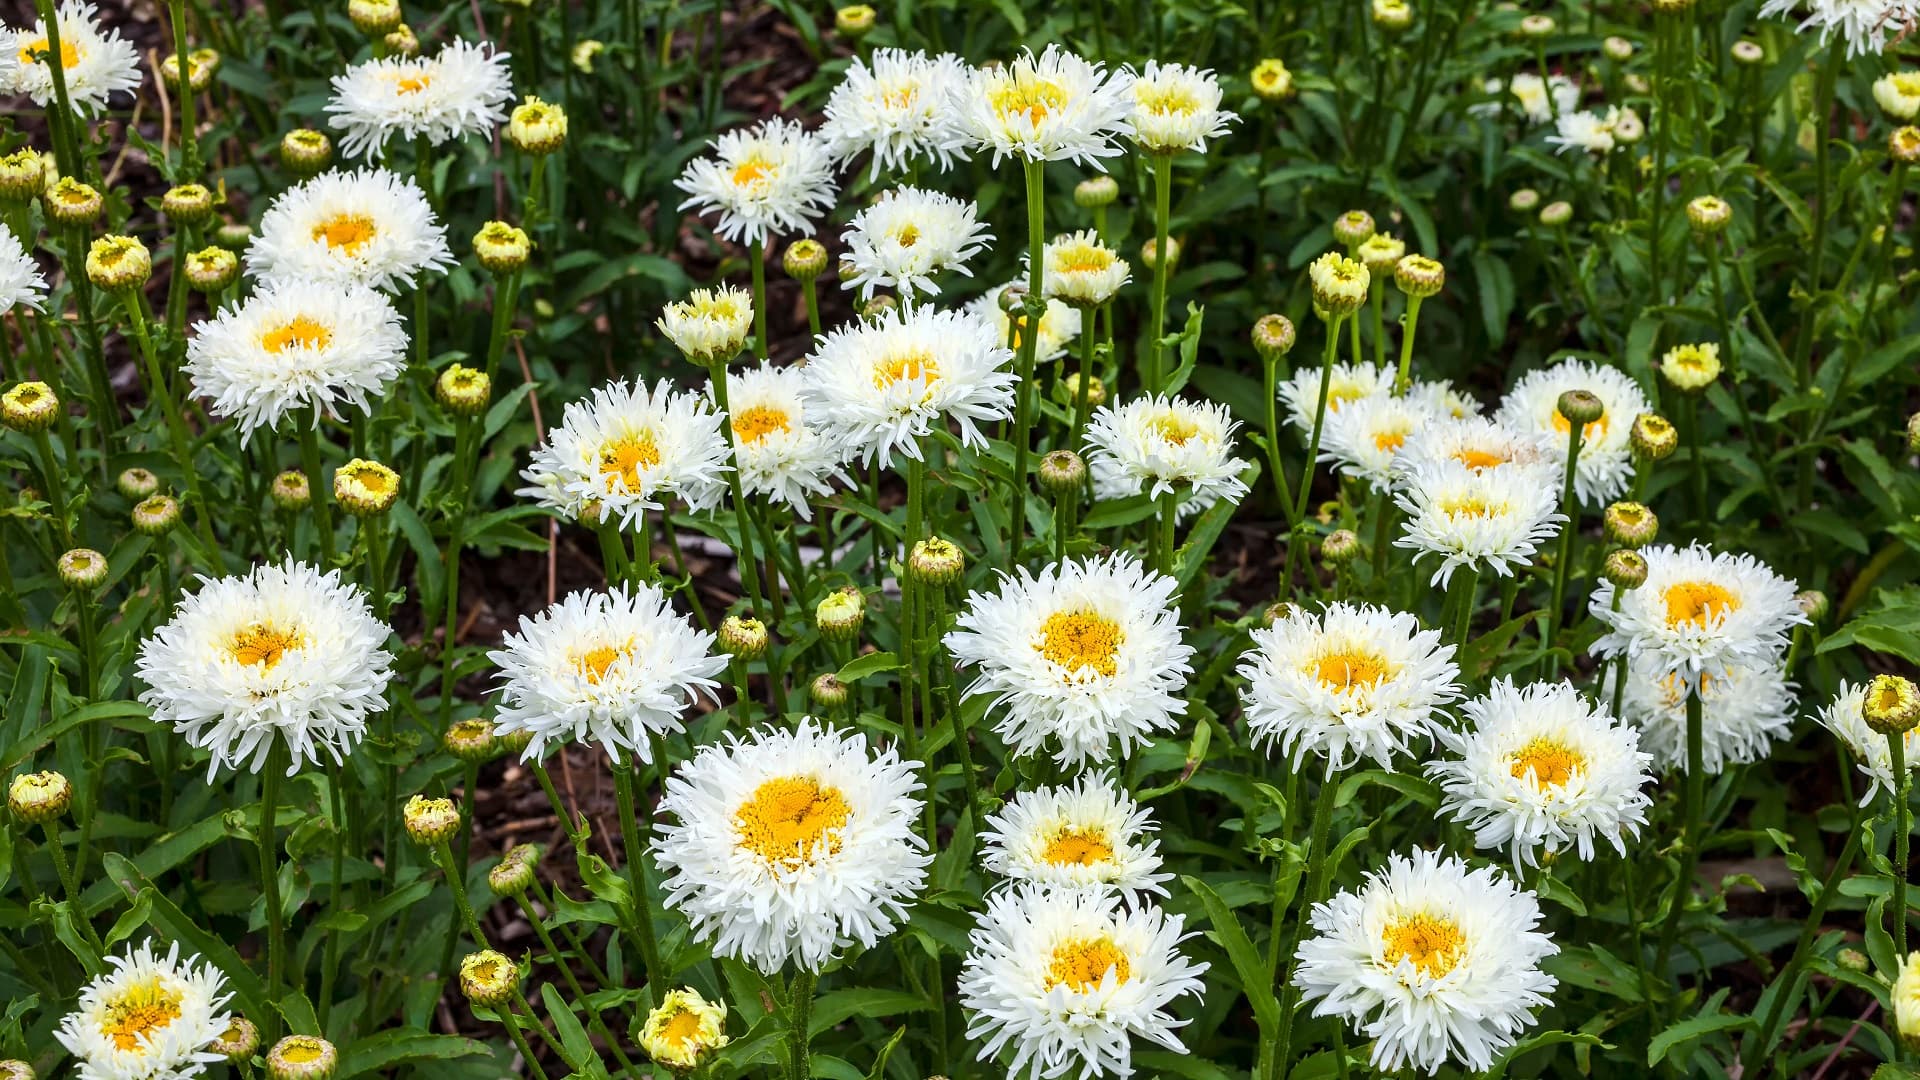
{"type": "Point", "coordinates": [804, 260]}
{"type": "Point", "coordinates": [463, 391]}
{"type": "Point", "coordinates": [430, 821]}
{"type": "Point", "coordinates": [1653, 437]}
{"type": "Point", "coordinates": [1271, 80]}
{"type": "Point", "coordinates": [501, 248]}
{"type": "Point", "coordinates": [488, 978]}
{"type": "Point", "coordinates": [854, 21]}
{"type": "Point", "coordinates": [37, 798]}
{"type": "Point", "coordinates": [187, 204]}
{"type": "Point", "coordinates": [743, 637]}
{"type": "Point", "coordinates": [537, 127]}
{"type": "Point", "coordinates": [156, 515]}
{"type": "Point", "coordinates": [364, 488]}
{"type": "Point", "coordinates": [82, 568]}
{"type": "Point", "coordinates": [136, 483]}
{"type": "Point", "coordinates": [1630, 524]}
{"type": "Point", "coordinates": [302, 1057]}
{"type": "Point", "coordinates": [841, 614]}
{"type": "Point", "coordinates": [684, 1030]}
{"type": "Point", "coordinates": [30, 408]}
{"type": "Point", "coordinates": [71, 202]}
{"type": "Point", "coordinates": [936, 562]}
{"type": "Point", "coordinates": [239, 1041]}
{"type": "Point", "coordinates": [212, 268]}
{"type": "Point", "coordinates": [470, 740]}
{"type": "Point", "coordinates": [1891, 705]}
{"type": "Point", "coordinates": [117, 262]}
{"type": "Point", "coordinates": [290, 491]}
{"type": "Point", "coordinates": [305, 151]}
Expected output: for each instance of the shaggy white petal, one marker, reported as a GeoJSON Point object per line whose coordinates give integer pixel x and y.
{"type": "Point", "coordinates": [1165, 446]}
{"type": "Point", "coordinates": [627, 449]}
{"type": "Point", "coordinates": [906, 237]}
{"type": "Point", "coordinates": [1745, 708]}
{"type": "Point", "coordinates": [97, 63]}
{"type": "Point", "coordinates": [1082, 271]}
{"type": "Point", "coordinates": [1869, 748]}
{"type": "Point", "coordinates": [463, 90]}
{"type": "Point", "coordinates": [1698, 610]}
{"type": "Point", "coordinates": [774, 177]}
{"type": "Point", "coordinates": [783, 454]}
{"type": "Point", "coordinates": [1606, 454]}
{"type": "Point", "coordinates": [150, 1017]}
{"type": "Point", "coordinates": [1530, 97]}
{"type": "Point", "coordinates": [369, 227]}
{"type": "Point", "coordinates": [1484, 519]}
{"type": "Point", "coordinates": [21, 283]}
{"type": "Point", "coordinates": [901, 107]}
{"type": "Point", "coordinates": [1176, 107]}
{"type": "Point", "coordinates": [1350, 383]}
{"type": "Point", "coordinates": [1051, 107]}
{"type": "Point", "coordinates": [1364, 439]}
{"type": "Point", "coordinates": [1089, 833]}
{"type": "Point", "coordinates": [1472, 442]}
{"type": "Point", "coordinates": [1862, 23]}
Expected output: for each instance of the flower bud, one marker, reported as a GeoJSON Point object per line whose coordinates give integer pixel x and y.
{"type": "Point", "coordinates": [290, 490]}
{"type": "Point", "coordinates": [854, 21]}
{"type": "Point", "coordinates": [469, 740]}
{"type": "Point", "coordinates": [805, 259]}
{"type": "Point", "coordinates": [936, 562]}
{"type": "Point", "coordinates": [30, 408]}
{"type": "Point", "coordinates": [515, 742]}
{"type": "Point", "coordinates": [516, 870]}
{"type": "Point", "coordinates": [1339, 285]}
{"type": "Point", "coordinates": [1352, 228]}
{"type": "Point", "coordinates": [1273, 337]}
{"type": "Point", "coordinates": [1671, 7]}
{"type": "Point", "coordinates": [1630, 524]}
{"type": "Point", "coordinates": [1812, 604]}
{"type": "Point", "coordinates": [1095, 192]}
{"type": "Point", "coordinates": [1691, 368]}
{"type": "Point", "coordinates": [1419, 276]}
{"type": "Point", "coordinates": [878, 306]}
{"type": "Point", "coordinates": [238, 1042]}
{"type": "Point", "coordinates": [1523, 201]}
{"type": "Point", "coordinates": [1913, 434]}
{"type": "Point", "coordinates": [1392, 16]}
{"type": "Point", "coordinates": [1709, 215]}
{"type": "Point", "coordinates": [212, 268]}
{"type": "Point", "coordinates": [117, 262]}
{"type": "Point", "coordinates": [1339, 548]}
{"type": "Point", "coordinates": [1150, 253]}
{"type": "Point", "coordinates": [841, 614]}
{"type": "Point", "coordinates": [1271, 80]}
{"type": "Point", "coordinates": [827, 691]}
{"type": "Point", "coordinates": [136, 483]}
{"type": "Point", "coordinates": [364, 488]}
{"type": "Point", "coordinates": [1063, 474]}
{"type": "Point", "coordinates": [15, 1069]}
{"type": "Point", "coordinates": [1617, 49]}
{"type": "Point", "coordinates": [1891, 705]}
{"type": "Point", "coordinates": [201, 66]}
{"type": "Point", "coordinates": [82, 568]}
{"type": "Point", "coordinates": [156, 515]}
{"type": "Point", "coordinates": [233, 235]}
{"type": "Point", "coordinates": [584, 54]}
{"type": "Point", "coordinates": [302, 1057]}
{"type": "Point", "coordinates": [1653, 438]}
{"type": "Point", "coordinates": [463, 391]}
{"type": "Point", "coordinates": [1096, 389]}
{"type": "Point", "coordinates": [1537, 26]}
{"type": "Point", "coordinates": [1626, 569]}
{"type": "Point", "coordinates": [488, 978]}
{"type": "Point", "coordinates": [430, 821]}
{"type": "Point", "coordinates": [374, 18]}
{"type": "Point", "coordinates": [1556, 214]}
{"type": "Point", "coordinates": [1274, 612]}
{"type": "Point", "coordinates": [743, 637]}
{"type": "Point", "coordinates": [401, 42]}
{"type": "Point", "coordinates": [1746, 52]}
{"type": "Point", "coordinates": [305, 151]}
{"type": "Point", "coordinates": [70, 202]}
{"type": "Point", "coordinates": [1380, 253]}
{"type": "Point", "coordinates": [501, 248]}
{"type": "Point", "coordinates": [537, 127]}
{"type": "Point", "coordinates": [685, 1030]}
{"type": "Point", "coordinates": [23, 175]}
{"type": "Point", "coordinates": [1853, 959]}
{"type": "Point", "coordinates": [39, 797]}
{"type": "Point", "coordinates": [187, 204]}
{"type": "Point", "coordinates": [1903, 145]}
{"type": "Point", "coordinates": [1580, 407]}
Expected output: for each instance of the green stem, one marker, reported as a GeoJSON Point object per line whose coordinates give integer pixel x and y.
{"type": "Point", "coordinates": [322, 497]}
{"type": "Point", "coordinates": [1281, 960]}
{"type": "Point", "coordinates": [270, 885]}
{"type": "Point", "coordinates": [743, 528]}
{"type": "Point", "coordinates": [757, 253]}
{"type": "Point", "coordinates": [1570, 504]}
{"type": "Point", "coordinates": [798, 1037]}
{"type": "Point", "coordinates": [1695, 794]}
{"type": "Point", "coordinates": [1786, 985]}
{"type": "Point", "coordinates": [1902, 828]}
{"type": "Point", "coordinates": [1164, 537]}
{"type": "Point", "coordinates": [1162, 211]}
{"type": "Point", "coordinates": [170, 409]}
{"type": "Point", "coordinates": [1281, 488]}
{"type": "Point", "coordinates": [1036, 308]}
{"type": "Point", "coordinates": [631, 847]}
{"type": "Point", "coordinates": [189, 125]}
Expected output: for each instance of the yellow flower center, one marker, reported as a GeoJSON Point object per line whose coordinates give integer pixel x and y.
{"type": "Point", "coordinates": [627, 456]}
{"type": "Point", "coordinates": [1033, 98]}
{"type": "Point", "coordinates": [907, 236]}
{"type": "Point", "coordinates": [755, 172]}
{"type": "Point", "coordinates": [1173, 428]}
{"type": "Point", "coordinates": [595, 662]}
{"type": "Point", "coordinates": [1342, 671]}
{"type": "Point", "coordinates": [347, 232]}
{"type": "Point", "coordinates": [37, 50]}
{"type": "Point", "coordinates": [413, 84]}
{"type": "Point", "coordinates": [1079, 640]}
{"type": "Point", "coordinates": [1165, 100]}
{"type": "Point", "coordinates": [790, 818]}
{"type": "Point", "coordinates": [301, 332]}
{"type": "Point", "coordinates": [681, 1028]}
{"type": "Point", "coordinates": [1340, 393]}
{"type": "Point", "coordinates": [137, 1012]}
{"type": "Point", "coordinates": [1085, 259]}
{"type": "Point", "coordinates": [1698, 602]}
{"type": "Point", "coordinates": [1477, 459]}
{"type": "Point", "coordinates": [755, 424]}
{"type": "Point", "coordinates": [1908, 83]}
{"type": "Point", "coordinates": [1431, 943]}
{"type": "Point", "coordinates": [299, 1051]}
{"type": "Point", "coordinates": [1077, 847]}
{"type": "Point", "coordinates": [1593, 428]}
{"type": "Point", "coordinates": [1389, 442]}
{"type": "Point", "coordinates": [373, 481]}
{"type": "Point", "coordinates": [1081, 963]}
{"type": "Point", "coordinates": [918, 364]}
{"type": "Point", "coordinates": [263, 644]}
{"type": "Point", "coordinates": [1469, 506]}
{"type": "Point", "coordinates": [1552, 762]}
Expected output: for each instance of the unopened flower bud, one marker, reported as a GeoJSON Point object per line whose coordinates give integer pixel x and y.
{"type": "Point", "coordinates": [305, 151]}
{"type": "Point", "coordinates": [234, 235]}
{"type": "Point", "coordinates": [537, 127]}
{"type": "Point", "coordinates": [430, 821]}
{"type": "Point", "coordinates": [1853, 960]}
{"type": "Point", "coordinates": [1274, 612]}
{"type": "Point", "coordinates": [1746, 52]}
{"type": "Point", "coordinates": [1062, 474]}
{"type": "Point", "coordinates": [1419, 276]}
{"type": "Point", "coordinates": [1095, 192]}
{"type": "Point", "coordinates": [1709, 215]}
{"type": "Point", "coordinates": [1339, 284]}
{"type": "Point", "coordinates": [1891, 705]}
{"type": "Point", "coordinates": [1150, 251]}
{"type": "Point", "coordinates": [1617, 48]}
{"type": "Point", "coordinates": [463, 391]}
{"type": "Point", "coordinates": [854, 21]}
{"type": "Point", "coordinates": [23, 175]}
{"type": "Point", "coordinates": [187, 204]}
{"type": "Point", "coordinates": [364, 488]}
{"type": "Point", "coordinates": [1630, 524]}
{"type": "Point", "coordinates": [1380, 253]}
{"type": "Point", "coordinates": [39, 797]}
{"type": "Point", "coordinates": [156, 515]}
{"type": "Point", "coordinates": [116, 262]}
{"type": "Point", "coordinates": [1691, 368]}
{"type": "Point", "coordinates": [1271, 80]}
{"type": "Point", "coordinates": [515, 872]}
{"type": "Point", "coordinates": [584, 54]}
{"type": "Point", "coordinates": [136, 483]}
{"type": "Point", "coordinates": [402, 42]}
{"type": "Point", "coordinates": [211, 269]}
{"type": "Point", "coordinates": [936, 562]}
{"type": "Point", "coordinates": [827, 691]}
{"type": "Point", "coordinates": [1273, 337]}
{"type": "Point", "coordinates": [374, 18]}
{"type": "Point", "coordinates": [1352, 228]}
{"type": "Point", "coordinates": [1523, 201]}
{"type": "Point", "coordinates": [501, 248]}
{"type": "Point", "coordinates": [1626, 569]}
{"type": "Point", "coordinates": [488, 978]}
{"type": "Point", "coordinates": [1339, 548]}
{"type": "Point", "coordinates": [684, 1031]}
{"type": "Point", "coordinates": [743, 637]}
{"type": "Point", "coordinates": [1580, 407]}
{"type": "Point", "coordinates": [1537, 26]}
{"type": "Point", "coordinates": [1096, 390]}
{"type": "Point", "coordinates": [238, 1042]}
{"type": "Point", "coordinates": [1903, 145]}
{"type": "Point", "coordinates": [877, 306]}
{"type": "Point", "coordinates": [841, 614]}
{"type": "Point", "coordinates": [1392, 16]}
{"type": "Point", "coordinates": [82, 568]}
{"type": "Point", "coordinates": [804, 260]}
{"type": "Point", "coordinates": [290, 491]}
{"type": "Point", "coordinates": [1653, 437]}
{"type": "Point", "coordinates": [30, 407]}
{"type": "Point", "coordinates": [302, 1057]}
{"type": "Point", "coordinates": [470, 740]}
{"type": "Point", "coordinates": [71, 202]}
{"type": "Point", "coordinates": [1812, 604]}
{"type": "Point", "coordinates": [1013, 299]}
{"type": "Point", "coordinates": [1556, 214]}
{"type": "Point", "coordinates": [201, 66]}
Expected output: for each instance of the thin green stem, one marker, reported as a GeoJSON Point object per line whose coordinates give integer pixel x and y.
{"type": "Point", "coordinates": [633, 848]}
{"type": "Point", "coordinates": [1570, 506]}
{"type": "Point", "coordinates": [1035, 310]}
{"type": "Point", "coordinates": [757, 252]}
{"type": "Point", "coordinates": [1693, 811]}
{"type": "Point", "coordinates": [270, 884]}
{"type": "Point", "coordinates": [1162, 212]}
{"type": "Point", "coordinates": [743, 527]}
{"type": "Point", "coordinates": [798, 1036]}
{"type": "Point", "coordinates": [1902, 830]}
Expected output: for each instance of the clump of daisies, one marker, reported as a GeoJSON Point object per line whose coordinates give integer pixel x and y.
{"type": "Point", "coordinates": [783, 454]}
{"type": "Point", "coordinates": [1595, 132]}
{"type": "Point", "coordinates": [617, 668]}
{"type": "Point", "coordinates": [1430, 959]}
{"type": "Point", "coordinates": [1863, 26]}
{"type": "Point", "coordinates": [1364, 439]}
{"type": "Point", "coordinates": [462, 90]}
{"type": "Point", "coordinates": [293, 346]}
{"type": "Point", "coordinates": [1353, 681]}
{"type": "Point", "coordinates": [1051, 107]}
{"type": "Point", "coordinates": [773, 178]}
{"type": "Point", "coordinates": [1606, 452]}
{"type": "Point", "coordinates": [906, 237]}
{"type": "Point", "coordinates": [1062, 980]}
{"type": "Point", "coordinates": [1060, 323]}
{"type": "Point", "coordinates": [368, 227]}
{"type": "Point", "coordinates": [1083, 655]}
{"type": "Point", "coordinates": [282, 653]}
{"type": "Point", "coordinates": [629, 448]}
{"type": "Point", "coordinates": [1165, 446]}
{"type": "Point", "coordinates": [1091, 832]}
{"type": "Point", "coordinates": [1347, 383]}
{"type": "Point", "coordinates": [791, 845]}
{"type": "Point", "coordinates": [96, 63]}
{"type": "Point", "coordinates": [1745, 708]}
{"type": "Point", "coordinates": [150, 1017]}
{"type": "Point", "coordinates": [1698, 611]}
{"type": "Point", "coordinates": [1539, 769]}
{"type": "Point", "coordinates": [884, 385]}
{"type": "Point", "coordinates": [900, 108]}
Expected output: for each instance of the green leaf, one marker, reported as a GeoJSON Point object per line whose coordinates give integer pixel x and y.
{"type": "Point", "coordinates": [880, 1060]}
{"type": "Point", "coordinates": [1539, 1041]}
{"type": "Point", "coordinates": [174, 924]}
{"type": "Point", "coordinates": [873, 663]}
{"type": "Point", "coordinates": [1247, 962]}
{"type": "Point", "coordinates": [834, 1008]}
{"type": "Point", "coordinates": [400, 1045]}
{"type": "Point", "coordinates": [573, 1038]}
{"type": "Point", "coordinates": [1687, 1031]}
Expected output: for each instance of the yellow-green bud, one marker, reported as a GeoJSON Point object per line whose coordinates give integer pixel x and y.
{"type": "Point", "coordinates": [156, 515]}
{"type": "Point", "coordinates": [804, 260]}
{"type": "Point", "coordinates": [1340, 546]}
{"type": "Point", "coordinates": [30, 408]}
{"type": "Point", "coordinates": [1392, 16]}
{"type": "Point", "coordinates": [1653, 437]}
{"type": "Point", "coordinates": [1626, 569]}
{"type": "Point", "coordinates": [1891, 705]}
{"type": "Point", "coordinates": [40, 797]}
{"type": "Point", "coordinates": [841, 614]}
{"type": "Point", "coordinates": [463, 391]}
{"type": "Point", "coordinates": [23, 175]}
{"type": "Point", "coordinates": [1630, 524]}
{"type": "Point", "coordinates": [136, 483]}
{"type": "Point", "coordinates": [1095, 192]}
{"type": "Point", "coordinates": [1274, 612]}
{"type": "Point", "coordinates": [584, 53]}
{"type": "Point", "coordinates": [1536, 26]}
{"type": "Point", "coordinates": [117, 262]}
{"type": "Point", "coordinates": [374, 18]}
{"type": "Point", "coordinates": [1580, 407]}
{"type": "Point", "coordinates": [854, 21]}
{"type": "Point", "coordinates": [239, 1041]}
{"type": "Point", "coordinates": [501, 248]}
{"type": "Point", "coordinates": [488, 978]}
{"type": "Point", "coordinates": [233, 235]}
{"type": "Point", "coordinates": [1062, 474]}
{"type": "Point", "coordinates": [82, 568]}
{"type": "Point", "coordinates": [1096, 390]}
{"type": "Point", "coordinates": [1671, 7]}
{"type": "Point", "coordinates": [515, 872]}
{"type": "Point", "coordinates": [1853, 960]}
{"type": "Point", "coordinates": [1380, 253]}
{"type": "Point", "coordinates": [1150, 253]}
{"type": "Point", "coordinates": [212, 268]}
{"type": "Point", "coordinates": [70, 202]}
{"type": "Point", "coordinates": [15, 1069]}
{"type": "Point", "coordinates": [936, 562]}
{"type": "Point", "coordinates": [1523, 201]}
{"type": "Point", "coordinates": [1746, 52]}
{"type": "Point", "coordinates": [187, 204]}
{"type": "Point", "coordinates": [201, 66]}
{"type": "Point", "coordinates": [1419, 276]}
{"type": "Point", "coordinates": [1691, 368]}
{"type": "Point", "coordinates": [305, 151]}
{"type": "Point", "coordinates": [827, 691]}
{"type": "Point", "coordinates": [1903, 145]}
{"type": "Point", "coordinates": [537, 127]}
{"type": "Point", "coordinates": [469, 740]}
{"type": "Point", "coordinates": [1617, 48]}
{"type": "Point", "coordinates": [1271, 80]}
{"type": "Point", "coordinates": [878, 306]}
{"type": "Point", "coordinates": [290, 490]}
{"type": "Point", "coordinates": [1556, 214]}
{"type": "Point", "coordinates": [1709, 215]}
{"type": "Point", "coordinates": [364, 488]}
{"type": "Point", "coordinates": [1812, 604]}
{"type": "Point", "coordinates": [302, 1057]}
{"type": "Point", "coordinates": [430, 821]}
{"type": "Point", "coordinates": [1273, 336]}
{"type": "Point", "coordinates": [1353, 228]}
{"type": "Point", "coordinates": [401, 42]}
{"type": "Point", "coordinates": [743, 637]}
{"type": "Point", "coordinates": [1340, 285]}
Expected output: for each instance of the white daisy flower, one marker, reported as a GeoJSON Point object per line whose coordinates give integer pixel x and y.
{"type": "Point", "coordinates": [774, 177]}
{"type": "Point", "coordinates": [791, 845]}
{"type": "Point", "coordinates": [1606, 451]}
{"type": "Point", "coordinates": [1443, 400]}
{"type": "Point", "coordinates": [1364, 439]}
{"type": "Point", "coordinates": [613, 668]}
{"type": "Point", "coordinates": [1081, 271]}
{"type": "Point", "coordinates": [463, 90]}
{"type": "Point", "coordinates": [96, 62]}
{"type": "Point", "coordinates": [370, 227]}
{"type": "Point", "coordinates": [1350, 383]}
{"type": "Point", "coordinates": [1431, 960]}
{"type": "Point", "coordinates": [780, 454]}
{"type": "Point", "coordinates": [627, 449]}
{"type": "Point", "coordinates": [296, 345]}
{"type": "Point", "coordinates": [1085, 654]}
{"type": "Point", "coordinates": [1744, 709]}
{"type": "Point", "coordinates": [1698, 610]}
{"type": "Point", "coordinates": [1530, 93]}
{"type": "Point", "coordinates": [1067, 978]}
{"type": "Point", "coordinates": [283, 650]}
{"type": "Point", "coordinates": [1059, 325]}
{"type": "Point", "coordinates": [21, 283]}
{"type": "Point", "coordinates": [1540, 769]}
{"type": "Point", "coordinates": [1869, 748]}
{"type": "Point", "coordinates": [1898, 94]}
{"type": "Point", "coordinates": [710, 325]}
{"type": "Point", "coordinates": [1350, 682]}
{"type": "Point", "coordinates": [1593, 131]}
{"type": "Point", "coordinates": [882, 386]}
{"type": "Point", "coordinates": [1474, 443]}
{"type": "Point", "coordinates": [1165, 446]}
{"type": "Point", "coordinates": [1176, 107]}
{"type": "Point", "coordinates": [1051, 107]}
{"type": "Point", "coordinates": [906, 237]}
{"type": "Point", "coordinates": [1863, 23]}
{"type": "Point", "coordinates": [1091, 833]}
{"type": "Point", "coordinates": [1486, 519]}
{"type": "Point", "coordinates": [901, 107]}
{"type": "Point", "coordinates": [1905, 993]}
{"type": "Point", "coordinates": [151, 1017]}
